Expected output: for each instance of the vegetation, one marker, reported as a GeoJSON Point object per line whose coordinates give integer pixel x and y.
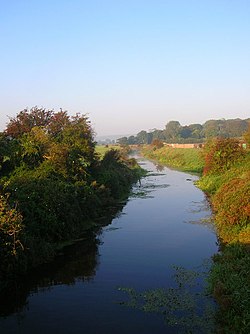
{"type": "Point", "coordinates": [226, 180]}
{"type": "Point", "coordinates": [174, 132]}
{"type": "Point", "coordinates": [102, 149]}
{"type": "Point", "coordinates": [53, 185]}
{"type": "Point", "coordinates": [182, 307]}
{"type": "Point", "coordinates": [189, 160]}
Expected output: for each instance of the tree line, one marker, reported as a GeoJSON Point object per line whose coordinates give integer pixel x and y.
{"type": "Point", "coordinates": [174, 132]}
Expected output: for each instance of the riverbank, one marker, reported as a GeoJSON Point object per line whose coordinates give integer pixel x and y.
{"type": "Point", "coordinates": [228, 189]}
{"type": "Point", "coordinates": [54, 186]}
{"type": "Point", "coordinates": [229, 194]}
{"type": "Point", "coordinates": [184, 159]}
{"type": "Point", "coordinates": [157, 233]}
{"type": "Point", "coordinates": [53, 213]}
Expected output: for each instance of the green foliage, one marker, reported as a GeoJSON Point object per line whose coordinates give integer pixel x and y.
{"type": "Point", "coordinates": [185, 159]}
{"type": "Point", "coordinates": [247, 135]}
{"type": "Point", "coordinates": [220, 155]}
{"type": "Point", "coordinates": [229, 190]}
{"type": "Point", "coordinates": [102, 149]}
{"type": "Point", "coordinates": [231, 202]}
{"type": "Point", "coordinates": [229, 283]}
{"type": "Point", "coordinates": [11, 230]}
{"type": "Point", "coordinates": [157, 143]}
{"type": "Point", "coordinates": [227, 181]}
{"type": "Point", "coordinates": [174, 132]}
{"type": "Point", "coordinates": [229, 196]}
{"type": "Point", "coordinates": [116, 172]}
{"type": "Point", "coordinates": [49, 166]}
{"type": "Point", "coordinates": [10, 226]}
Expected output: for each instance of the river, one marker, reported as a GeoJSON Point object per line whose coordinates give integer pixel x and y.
{"type": "Point", "coordinates": [164, 224]}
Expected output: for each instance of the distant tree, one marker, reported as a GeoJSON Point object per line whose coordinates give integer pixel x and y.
{"type": "Point", "coordinates": [132, 140]}
{"type": "Point", "coordinates": [247, 135]}
{"type": "Point", "coordinates": [196, 130]}
{"type": "Point", "coordinates": [122, 141]}
{"type": "Point", "coordinates": [214, 128]}
{"type": "Point", "coordinates": [185, 132]}
{"type": "Point", "coordinates": [172, 130]}
{"type": "Point", "coordinates": [157, 134]}
{"type": "Point", "coordinates": [143, 137]}
{"type": "Point", "coordinates": [235, 127]}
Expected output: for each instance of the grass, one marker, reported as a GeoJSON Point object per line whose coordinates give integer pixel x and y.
{"type": "Point", "coordinates": [102, 149]}
{"type": "Point", "coordinates": [185, 159]}
{"type": "Point", "coordinates": [229, 279]}
{"type": "Point", "coordinates": [229, 194]}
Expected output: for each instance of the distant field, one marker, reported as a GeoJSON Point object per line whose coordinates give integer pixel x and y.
{"type": "Point", "coordinates": [102, 149]}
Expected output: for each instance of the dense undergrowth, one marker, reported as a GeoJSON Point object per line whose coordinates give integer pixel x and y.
{"type": "Point", "coordinates": [226, 180]}
{"type": "Point", "coordinates": [54, 186]}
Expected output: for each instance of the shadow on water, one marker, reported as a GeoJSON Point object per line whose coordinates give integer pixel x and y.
{"type": "Point", "coordinates": [78, 262]}
{"type": "Point", "coordinates": [135, 253]}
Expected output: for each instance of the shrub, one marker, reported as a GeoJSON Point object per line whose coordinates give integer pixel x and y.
{"type": "Point", "coordinates": [221, 154]}
{"type": "Point", "coordinates": [231, 202]}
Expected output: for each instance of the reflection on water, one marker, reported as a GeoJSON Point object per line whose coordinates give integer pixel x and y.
{"type": "Point", "coordinates": [78, 292]}
{"type": "Point", "coordinates": [77, 263]}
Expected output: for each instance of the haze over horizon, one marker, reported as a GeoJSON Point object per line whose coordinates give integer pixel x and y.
{"type": "Point", "coordinates": [129, 65]}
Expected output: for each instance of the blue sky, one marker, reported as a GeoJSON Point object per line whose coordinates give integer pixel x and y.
{"type": "Point", "coordinates": [129, 65]}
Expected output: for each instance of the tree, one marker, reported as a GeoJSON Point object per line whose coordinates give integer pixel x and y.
{"type": "Point", "coordinates": [122, 141]}
{"type": "Point", "coordinates": [78, 136]}
{"type": "Point", "coordinates": [142, 137]}
{"type": "Point", "coordinates": [132, 140]}
{"type": "Point", "coordinates": [34, 146]}
{"type": "Point", "coordinates": [26, 120]}
{"type": "Point", "coordinates": [157, 134]}
{"type": "Point", "coordinates": [172, 130]}
{"type": "Point", "coordinates": [185, 132]}
{"type": "Point", "coordinates": [58, 122]}
{"type": "Point", "coordinates": [213, 128]}
{"type": "Point", "coordinates": [10, 228]}
{"type": "Point", "coordinates": [247, 135]}
{"type": "Point", "coordinates": [196, 130]}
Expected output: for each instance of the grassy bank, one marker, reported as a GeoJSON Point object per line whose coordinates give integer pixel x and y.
{"type": "Point", "coordinates": [188, 160]}
{"type": "Point", "coordinates": [229, 192]}
{"type": "Point", "coordinates": [227, 183]}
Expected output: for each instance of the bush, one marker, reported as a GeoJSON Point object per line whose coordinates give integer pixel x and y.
{"type": "Point", "coordinates": [11, 226]}
{"type": "Point", "coordinates": [221, 154]}
{"type": "Point", "coordinates": [231, 202]}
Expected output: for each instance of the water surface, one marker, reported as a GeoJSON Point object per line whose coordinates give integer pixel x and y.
{"type": "Point", "coordinates": [161, 225]}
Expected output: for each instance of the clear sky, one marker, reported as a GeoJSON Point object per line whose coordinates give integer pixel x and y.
{"type": "Point", "coordinates": [128, 64]}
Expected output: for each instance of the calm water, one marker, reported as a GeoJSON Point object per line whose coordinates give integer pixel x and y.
{"type": "Point", "coordinates": [160, 226]}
